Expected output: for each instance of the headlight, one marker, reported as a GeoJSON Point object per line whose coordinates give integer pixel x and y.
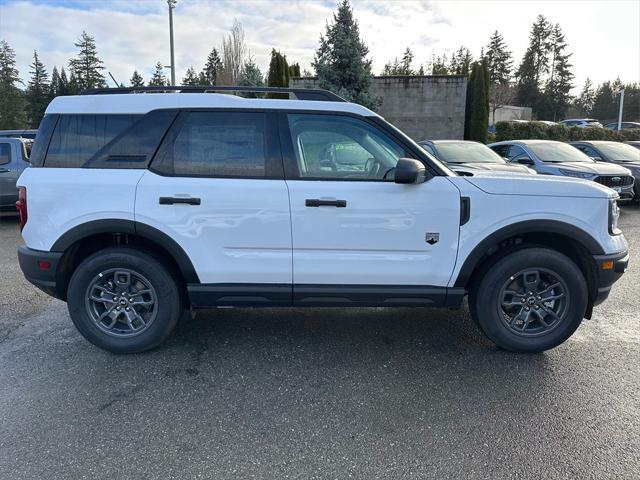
{"type": "Point", "coordinates": [614, 215]}
{"type": "Point", "coordinates": [573, 173]}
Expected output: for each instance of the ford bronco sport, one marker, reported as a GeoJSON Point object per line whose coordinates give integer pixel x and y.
{"type": "Point", "coordinates": [139, 206]}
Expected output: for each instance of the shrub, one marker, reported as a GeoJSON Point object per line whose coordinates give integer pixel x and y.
{"type": "Point", "coordinates": [562, 133]}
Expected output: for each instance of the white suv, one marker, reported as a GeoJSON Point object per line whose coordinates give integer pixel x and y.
{"type": "Point", "coordinates": [141, 205]}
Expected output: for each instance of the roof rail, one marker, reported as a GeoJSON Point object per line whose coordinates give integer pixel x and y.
{"type": "Point", "coordinates": [300, 93]}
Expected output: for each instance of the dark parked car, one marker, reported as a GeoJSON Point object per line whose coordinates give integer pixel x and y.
{"type": "Point", "coordinates": [548, 157]}
{"type": "Point", "coordinates": [468, 158]}
{"type": "Point", "coordinates": [614, 152]}
{"type": "Point", "coordinates": [30, 134]}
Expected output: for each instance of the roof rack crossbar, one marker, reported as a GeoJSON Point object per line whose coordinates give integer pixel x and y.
{"type": "Point", "coordinates": [300, 93]}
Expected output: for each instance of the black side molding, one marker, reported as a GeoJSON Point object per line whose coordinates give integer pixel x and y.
{"type": "Point", "coordinates": [465, 210]}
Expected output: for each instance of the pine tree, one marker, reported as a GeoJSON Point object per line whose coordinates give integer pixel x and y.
{"type": "Point", "coordinates": [87, 67]}
{"type": "Point", "coordinates": [136, 79]}
{"type": "Point", "coordinates": [535, 64]}
{"type": "Point", "coordinates": [604, 103]}
{"type": "Point", "coordinates": [54, 85]}
{"type": "Point", "coordinates": [68, 86]}
{"type": "Point", "coordinates": [586, 98]}
{"type": "Point", "coordinates": [37, 93]}
{"type": "Point", "coordinates": [460, 62]}
{"type": "Point", "coordinates": [340, 60]}
{"type": "Point", "coordinates": [158, 79]}
{"type": "Point", "coordinates": [439, 65]}
{"type": "Point", "coordinates": [12, 103]}
{"type": "Point", "coordinates": [557, 91]}
{"type": "Point", "coordinates": [499, 60]}
{"type": "Point", "coordinates": [278, 75]}
{"type": "Point", "coordinates": [211, 70]}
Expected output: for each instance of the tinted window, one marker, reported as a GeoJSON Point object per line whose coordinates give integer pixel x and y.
{"type": "Point", "coordinates": [501, 150]}
{"type": "Point", "coordinates": [135, 147]}
{"type": "Point", "coordinates": [619, 152]}
{"type": "Point", "coordinates": [428, 148]}
{"type": "Point", "coordinates": [221, 144]}
{"type": "Point", "coordinates": [467, 152]}
{"type": "Point", "coordinates": [39, 149]}
{"type": "Point", "coordinates": [587, 151]}
{"type": "Point", "coordinates": [5, 153]}
{"type": "Point", "coordinates": [332, 146]}
{"type": "Point", "coordinates": [77, 138]}
{"type": "Point", "coordinates": [554, 152]}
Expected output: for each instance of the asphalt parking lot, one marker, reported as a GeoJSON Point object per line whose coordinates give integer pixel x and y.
{"type": "Point", "coordinates": [320, 393]}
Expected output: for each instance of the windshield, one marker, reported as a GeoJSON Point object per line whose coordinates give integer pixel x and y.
{"type": "Point", "coordinates": [558, 152]}
{"type": "Point", "coordinates": [467, 152]}
{"type": "Point", "coordinates": [619, 152]}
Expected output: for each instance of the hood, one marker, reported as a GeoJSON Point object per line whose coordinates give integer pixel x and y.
{"type": "Point", "coordinates": [541, 185]}
{"type": "Point", "coordinates": [599, 168]}
{"type": "Point", "coordinates": [494, 167]}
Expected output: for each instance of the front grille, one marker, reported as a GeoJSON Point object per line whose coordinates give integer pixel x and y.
{"type": "Point", "coordinates": [615, 180]}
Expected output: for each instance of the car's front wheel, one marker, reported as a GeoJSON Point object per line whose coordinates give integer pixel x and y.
{"type": "Point", "coordinates": [530, 300]}
{"type": "Point", "coordinates": [123, 300]}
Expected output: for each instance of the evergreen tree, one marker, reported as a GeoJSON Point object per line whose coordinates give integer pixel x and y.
{"type": "Point", "coordinates": [340, 60]}
{"type": "Point", "coordinates": [477, 108]}
{"type": "Point", "coordinates": [605, 106]}
{"type": "Point", "coordinates": [12, 103]}
{"type": "Point", "coordinates": [68, 86]}
{"type": "Point", "coordinates": [54, 85]}
{"type": "Point", "coordinates": [158, 79]}
{"type": "Point", "coordinates": [37, 93]}
{"type": "Point", "coordinates": [251, 76]}
{"type": "Point", "coordinates": [460, 62]}
{"type": "Point", "coordinates": [278, 75]}
{"type": "Point", "coordinates": [438, 65]}
{"type": "Point", "coordinates": [556, 94]}
{"type": "Point", "coordinates": [211, 70]}
{"type": "Point", "coordinates": [136, 79]}
{"type": "Point", "coordinates": [586, 98]}
{"type": "Point", "coordinates": [87, 67]}
{"type": "Point", "coordinates": [499, 60]}
{"type": "Point", "coordinates": [294, 70]}
{"type": "Point", "coordinates": [534, 65]}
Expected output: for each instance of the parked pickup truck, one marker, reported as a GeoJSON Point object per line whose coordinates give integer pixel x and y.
{"type": "Point", "coordinates": [14, 158]}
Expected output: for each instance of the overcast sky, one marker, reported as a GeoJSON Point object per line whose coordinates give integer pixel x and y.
{"type": "Point", "coordinates": [604, 36]}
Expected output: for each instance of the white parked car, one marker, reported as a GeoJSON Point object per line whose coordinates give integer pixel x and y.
{"type": "Point", "coordinates": [581, 122]}
{"type": "Point", "coordinates": [139, 206]}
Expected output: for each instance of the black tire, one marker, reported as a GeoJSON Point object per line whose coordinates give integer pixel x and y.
{"type": "Point", "coordinates": [497, 321]}
{"type": "Point", "coordinates": [165, 311]}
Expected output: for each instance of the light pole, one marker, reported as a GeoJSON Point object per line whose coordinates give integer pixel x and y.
{"type": "Point", "coordinates": [621, 92]}
{"type": "Point", "coordinates": [172, 5]}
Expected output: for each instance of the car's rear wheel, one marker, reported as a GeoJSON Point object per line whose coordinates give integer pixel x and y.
{"type": "Point", "coordinates": [530, 300]}
{"type": "Point", "coordinates": [123, 300]}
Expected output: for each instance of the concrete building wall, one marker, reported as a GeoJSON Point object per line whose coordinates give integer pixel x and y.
{"type": "Point", "coordinates": [425, 107]}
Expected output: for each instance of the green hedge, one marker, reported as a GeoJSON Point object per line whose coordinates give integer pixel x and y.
{"type": "Point", "coordinates": [542, 131]}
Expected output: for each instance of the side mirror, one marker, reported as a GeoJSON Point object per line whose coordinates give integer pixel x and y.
{"type": "Point", "coordinates": [525, 161]}
{"type": "Point", "coordinates": [596, 159]}
{"type": "Point", "coordinates": [409, 171]}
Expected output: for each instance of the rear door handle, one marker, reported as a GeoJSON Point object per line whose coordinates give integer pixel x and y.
{"type": "Point", "coordinates": [174, 200]}
{"type": "Point", "coordinates": [317, 202]}
{"type": "Point", "coordinates": [4, 170]}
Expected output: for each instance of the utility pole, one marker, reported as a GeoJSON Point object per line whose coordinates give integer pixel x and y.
{"type": "Point", "coordinates": [621, 92]}
{"type": "Point", "coordinates": [172, 5]}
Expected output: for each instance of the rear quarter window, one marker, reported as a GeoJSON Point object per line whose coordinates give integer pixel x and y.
{"type": "Point", "coordinates": [77, 138]}
{"type": "Point", "coordinates": [5, 153]}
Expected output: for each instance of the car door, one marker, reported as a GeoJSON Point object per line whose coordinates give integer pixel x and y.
{"type": "Point", "coordinates": [8, 176]}
{"type": "Point", "coordinates": [216, 187]}
{"type": "Point", "coordinates": [357, 235]}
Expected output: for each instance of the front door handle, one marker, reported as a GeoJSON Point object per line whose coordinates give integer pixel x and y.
{"type": "Point", "coordinates": [4, 170]}
{"type": "Point", "coordinates": [317, 202]}
{"type": "Point", "coordinates": [174, 200]}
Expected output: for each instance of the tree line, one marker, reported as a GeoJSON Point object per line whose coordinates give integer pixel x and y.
{"type": "Point", "coordinates": [543, 79]}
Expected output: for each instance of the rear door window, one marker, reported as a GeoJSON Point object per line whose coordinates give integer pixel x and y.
{"type": "Point", "coordinates": [220, 144]}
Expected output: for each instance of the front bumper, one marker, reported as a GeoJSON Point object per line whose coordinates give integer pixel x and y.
{"type": "Point", "coordinates": [40, 268]}
{"type": "Point", "coordinates": [610, 268]}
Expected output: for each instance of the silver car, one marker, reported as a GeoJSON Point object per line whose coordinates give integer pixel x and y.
{"type": "Point", "coordinates": [548, 157]}
{"type": "Point", "coordinates": [14, 158]}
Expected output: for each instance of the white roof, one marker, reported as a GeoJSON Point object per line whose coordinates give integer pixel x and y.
{"type": "Point", "coordinates": [140, 103]}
